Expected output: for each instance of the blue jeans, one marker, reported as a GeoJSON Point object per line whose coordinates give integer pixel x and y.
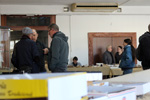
{"type": "Point", "coordinates": [127, 71]}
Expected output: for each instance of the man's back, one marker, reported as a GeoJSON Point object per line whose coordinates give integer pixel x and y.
{"type": "Point", "coordinates": [145, 52]}
{"type": "Point", "coordinates": [24, 54]}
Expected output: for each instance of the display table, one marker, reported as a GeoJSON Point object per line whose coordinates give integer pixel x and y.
{"type": "Point", "coordinates": [137, 69]}
{"type": "Point", "coordinates": [115, 71]}
{"type": "Point", "coordinates": [104, 69]}
{"type": "Point", "coordinates": [118, 71]}
{"type": "Point", "coordinates": [6, 70]}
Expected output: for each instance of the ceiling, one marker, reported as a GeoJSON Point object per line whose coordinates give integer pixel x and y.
{"type": "Point", "coordinates": [68, 2]}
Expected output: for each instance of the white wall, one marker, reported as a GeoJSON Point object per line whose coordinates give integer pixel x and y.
{"type": "Point", "coordinates": [31, 9]}
{"type": "Point", "coordinates": [80, 25]}
{"type": "Point", "coordinates": [76, 25]}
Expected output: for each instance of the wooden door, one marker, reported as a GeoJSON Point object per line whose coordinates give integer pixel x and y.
{"type": "Point", "coordinates": [99, 41]}
{"type": "Point", "coordinates": [99, 47]}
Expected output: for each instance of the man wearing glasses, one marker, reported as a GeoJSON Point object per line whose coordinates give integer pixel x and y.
{"type": "Point", "coordinates": [58, 53]}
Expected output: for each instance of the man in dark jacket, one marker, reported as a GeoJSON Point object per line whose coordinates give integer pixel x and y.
{"type": "Point", "coordinates": [58, 54]}
{"type": "Point", "coordinates": [25, 55]}
{"type": "Point", "coordinates": [143, 50]}
{"type": "Point", "coordinates": [108, 57]}
{"type": "Point", "coordinates": [42, 51]}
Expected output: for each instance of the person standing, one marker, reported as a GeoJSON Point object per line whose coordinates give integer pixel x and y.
{"type": "Point", "coordinates": [25, 55]}
{"type": "Point", "coordinates": [128, 57]}
{"type": "Point", "coordinates": [108, 57]}
{"type": "Point", "coordinates": [59, 50]}
{"type": "Point", "coordinates": [42, 51]}
{"type": "Point", "coordinates": [118, 54]}
{"type": "Point", "coordinates": [143, 50]}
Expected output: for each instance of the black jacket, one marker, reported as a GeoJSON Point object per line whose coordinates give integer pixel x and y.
{"type": "Point", "coordinates": [58, 54]}
{"type": "Point", "coordinates": [41, 64]}
{"type": "Point", "coordinates": [143, 50]}
{"type": "Point", "coordinates": [117, 57]}
{"type": "Point", "coordinates": [26, 54]}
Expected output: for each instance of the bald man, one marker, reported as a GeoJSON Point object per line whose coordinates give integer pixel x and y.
{"type": "Point", "coordinates": [42, 51]}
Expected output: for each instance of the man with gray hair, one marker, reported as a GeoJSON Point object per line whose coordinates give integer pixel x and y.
{"type": "Point", "coordinates": [108, 57]}
{"type": "Point", "coordinates": [58, 54]}
{"type": "Point", "coordinates": [25, 55]}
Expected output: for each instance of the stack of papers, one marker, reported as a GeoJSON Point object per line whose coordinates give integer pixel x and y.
{"type": "Point", "coordinates": [113, 93]}
{"type": "Point", "coordinates": [57, 86]}
{"type": "Point", "coordinates": [141, 87]}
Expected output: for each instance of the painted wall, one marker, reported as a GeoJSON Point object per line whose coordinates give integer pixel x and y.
{"type": "Point", "coordinates": [76, 25]}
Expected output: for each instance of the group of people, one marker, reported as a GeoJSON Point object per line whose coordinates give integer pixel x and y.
{"type": "Point", "coordinates": [108, 57]}
{"type": "Point", "coordinates": [125, 59]}
{"type": "Point", "coordinates": [28, 54]}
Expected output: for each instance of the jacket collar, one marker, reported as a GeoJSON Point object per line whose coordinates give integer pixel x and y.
{"type": "Point", "coordinates": [127, 46]}
{"type": "Point", "coordinates": [55, 34]}
{"type": "Point", "coordinates": [25, 37]}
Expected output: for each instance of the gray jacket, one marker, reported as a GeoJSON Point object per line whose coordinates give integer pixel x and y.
{"type": "Point", "coordinates": [72, 64]}
{"type": "Point", "coordinates": [58, 55]}
{"type": "Point", "coordinates": [108, 58]}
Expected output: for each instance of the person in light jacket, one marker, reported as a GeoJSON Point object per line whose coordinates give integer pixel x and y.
{"type": "Point", "coordinates": [128, 57]}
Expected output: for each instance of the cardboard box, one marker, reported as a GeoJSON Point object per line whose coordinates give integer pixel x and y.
{"type": "Point", "coordinates": [114, 93]}
{"type": "Point", "coordinates": [57, 86]}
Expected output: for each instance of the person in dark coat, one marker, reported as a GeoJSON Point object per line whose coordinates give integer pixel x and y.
{"type": "Point", "coordinates": [25, 55]}
{"type": "Point", "coordinates": [118, 54]}
{"type": "Point", "coordinates": [143, 50]}
{"type": "Point", "coordinates": [59, 50]}
{"type": "Point", "coordinates": [128, 57]}
{"type": "Point", "coordinates": [108, 57]}
{"type": "Point", "coordinates": [42, 51]}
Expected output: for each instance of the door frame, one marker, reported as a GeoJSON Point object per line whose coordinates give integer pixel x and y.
{"type": "Point", "coordinates": [4, 22]}
{"type": "Point", "coordinates": [92, 35]}
{"type": "Point", "coordinates": [16, 28]}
